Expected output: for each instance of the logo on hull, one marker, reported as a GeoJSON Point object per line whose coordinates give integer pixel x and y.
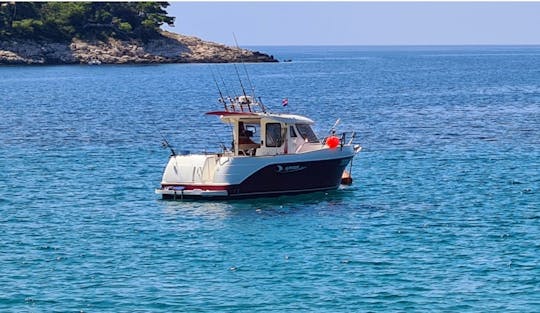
{"type": "Point", "coordinates": [288, 169]}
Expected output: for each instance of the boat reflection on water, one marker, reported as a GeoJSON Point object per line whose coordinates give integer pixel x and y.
{"type": "Point", "coordinates": [274, 206]}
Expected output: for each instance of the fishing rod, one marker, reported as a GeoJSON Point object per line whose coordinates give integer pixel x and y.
{"type": "Point", "coordinates": [262, 105]}
{"type": "Point", "coordinates": [225, 86]}
{"type": "Point", "coordinates": [237, 73]}
{"type": "Point", "coordinates": [221, 99]}
{"type": "Point", "coordinates": [333, 129]}
{"type": "Point", "coordinates": [240, 79]}
{"type": "Point", "coordinates": [241, 85]}
{"type": "Point", "coordinates": [244, 65]}
{"type": "Point", "coordinates": [165, 143]}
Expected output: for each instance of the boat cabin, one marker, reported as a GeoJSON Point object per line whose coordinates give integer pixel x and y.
{"type": "Point", "coordinates": [263, 134]}
{"type": "Point", "coordinates": [271, 134]}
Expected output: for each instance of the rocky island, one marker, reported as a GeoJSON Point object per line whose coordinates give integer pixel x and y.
{"type": "Point", "coordinates": [103, 33]}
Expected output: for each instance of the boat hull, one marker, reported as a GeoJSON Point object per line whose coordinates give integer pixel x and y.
{"type": "Point", "coordinates": [275, 179]}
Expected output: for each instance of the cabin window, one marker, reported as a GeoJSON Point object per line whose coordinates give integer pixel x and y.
{"type": "Point", "coordinates": [293, 132]}
{"type": "Point", "coordinates": [248, 133]}
{"type": "Point", "coordinates": [307, 133]}
{"type": "Point", "coordinates": [273, 135]}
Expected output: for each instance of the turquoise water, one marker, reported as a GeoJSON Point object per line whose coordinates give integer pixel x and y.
{"type": "Point", "coordinates": [443, 215]}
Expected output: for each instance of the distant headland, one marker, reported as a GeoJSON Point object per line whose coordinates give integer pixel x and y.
{"type": "Point", "coordinates": [103, 33]}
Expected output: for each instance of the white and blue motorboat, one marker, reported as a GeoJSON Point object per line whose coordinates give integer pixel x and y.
{"type": "Point", "coordinates": [271, 155]}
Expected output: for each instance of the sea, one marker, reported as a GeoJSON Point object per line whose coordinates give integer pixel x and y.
{"type": "Point", "coordinates": [443, 214]}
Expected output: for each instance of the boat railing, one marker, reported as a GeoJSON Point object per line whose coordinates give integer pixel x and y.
{"type": "Point", "coordinates": [351, 135]}
{"type": "Point", "coordinates": [246, 104]}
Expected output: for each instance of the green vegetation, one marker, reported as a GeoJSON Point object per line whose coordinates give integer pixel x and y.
{"type": "Point", "coordinates": [63, 21]}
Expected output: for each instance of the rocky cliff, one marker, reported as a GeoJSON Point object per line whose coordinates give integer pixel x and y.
{"type": "Point", "coordinates": [170, 48]}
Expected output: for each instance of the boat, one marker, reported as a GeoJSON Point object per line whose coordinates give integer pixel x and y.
{"type": "Point", "coordinates": [94, 62]}
{"type": "Point", "coordinates": [271, 155]}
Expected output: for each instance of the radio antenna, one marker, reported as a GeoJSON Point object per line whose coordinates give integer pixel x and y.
{"type": "Point", "coordinates": [244, 65]}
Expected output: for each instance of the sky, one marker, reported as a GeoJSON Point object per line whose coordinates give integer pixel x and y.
{"type": "Point", "coordinates": [360, 23]}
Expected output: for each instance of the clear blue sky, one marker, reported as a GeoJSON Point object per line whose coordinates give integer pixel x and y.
{"type": "Point", "coordinates": [360, 23]}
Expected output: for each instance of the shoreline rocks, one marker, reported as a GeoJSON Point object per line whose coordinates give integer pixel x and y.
{"type": "Point", "coordinates": [170, 48]}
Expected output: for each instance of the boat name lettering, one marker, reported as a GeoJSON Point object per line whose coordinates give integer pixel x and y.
{"type": "Point", "coordinates": [289, 168]}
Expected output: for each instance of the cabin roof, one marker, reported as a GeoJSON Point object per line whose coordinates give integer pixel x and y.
{"type": "Point", "coordinates": [231, 117]}
{"type": "Point", "coordinates": [290, 118]}
{"type": "Point", "coordinates": [228, 113]}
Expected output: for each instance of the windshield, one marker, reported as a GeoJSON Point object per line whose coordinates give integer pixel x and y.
{"type": "Point", "coordinates": [306, 132]}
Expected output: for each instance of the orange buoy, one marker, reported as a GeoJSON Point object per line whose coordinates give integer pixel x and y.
{"type": "Point", "coordinates": [346, 178]}
{"type": "Point", "coordinates": [332, 142]}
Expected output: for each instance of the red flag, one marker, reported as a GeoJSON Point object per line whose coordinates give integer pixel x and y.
{"type": "Point", "coordinates": [285, 102]}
